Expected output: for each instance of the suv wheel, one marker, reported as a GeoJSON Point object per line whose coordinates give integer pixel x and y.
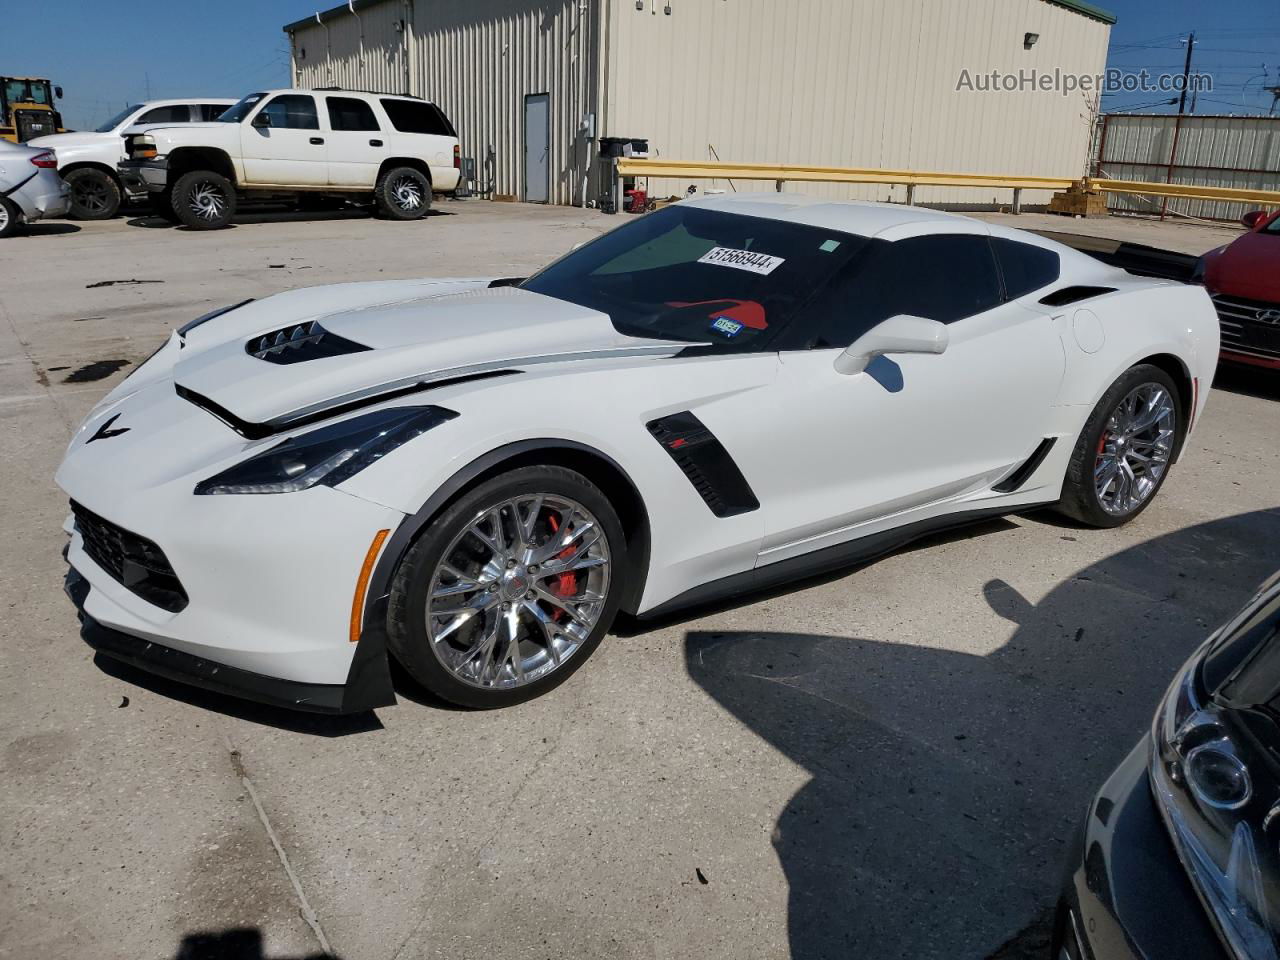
{"type": "Point", "coordinates": [95, 195]}
{"type": "Point", "coordinates": [403, 193]}
{"type": "Point", "coordinates": [204, 200]}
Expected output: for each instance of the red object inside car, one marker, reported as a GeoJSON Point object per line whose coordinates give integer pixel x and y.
{"type": "Point", "coordinates": [746, 312]}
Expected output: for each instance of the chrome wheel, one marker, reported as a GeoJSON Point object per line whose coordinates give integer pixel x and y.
{"type": "Point", "coordinates": [4, 218]}
{"type": "Point", "coordinates": [206, 200]}
{"type": "Point", "coordinates": [1134, 449]}
{"type": "Point", "coordinates": [407, 193]}
{"type": "Point", "coordinates": [518, 591]}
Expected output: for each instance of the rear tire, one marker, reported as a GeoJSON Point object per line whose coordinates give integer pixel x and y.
{"type": "Point", "coordinates": [1116, 470]}
{"type": "Point", "coordinates": [204, 200]}
{"type": "Point", "coordinates": [95, 195]}
{"type": "Point", "coordinates": [403, 193]}
{"type": "Point", "coordinates": [473, 580]}
{"type": "Point", "coordinates": [10, 218]}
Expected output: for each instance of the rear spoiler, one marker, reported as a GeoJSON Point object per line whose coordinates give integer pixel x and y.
{"type": "Point", "coordinates": [1135, 258]}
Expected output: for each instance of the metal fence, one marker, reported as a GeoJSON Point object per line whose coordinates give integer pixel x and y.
{"type": "Point", "coordinates": [1215, 151]}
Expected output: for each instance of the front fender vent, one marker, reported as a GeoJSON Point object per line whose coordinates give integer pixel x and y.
{"type": "Point", "coordinates": [299, 343]}
{"type": "Point", "coordinates": [705, 462]}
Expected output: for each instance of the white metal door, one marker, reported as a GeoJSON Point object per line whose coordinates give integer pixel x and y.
{"type": "Point", "coordinates": [911, 431]}
{"type": "Point", "coordinates": [537, 148]}
{"type": "Point", "coordinates": [292, 150]}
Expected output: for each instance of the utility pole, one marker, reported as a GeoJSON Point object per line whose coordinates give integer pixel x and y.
{"type": "Point", "coordinates": [1186, 73]}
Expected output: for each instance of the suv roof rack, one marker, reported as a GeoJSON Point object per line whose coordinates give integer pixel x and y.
{"type": "Point", "coordinates": [375, 93]}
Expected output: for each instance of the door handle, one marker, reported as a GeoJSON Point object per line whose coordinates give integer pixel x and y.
{"type": "Point", "coordinates": [375, 143]}
{"type": "Point", "coordinates": [317, 140]}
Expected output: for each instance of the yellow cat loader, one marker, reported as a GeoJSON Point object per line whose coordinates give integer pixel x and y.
{"type": "Point", "coordinates": [26, 109]}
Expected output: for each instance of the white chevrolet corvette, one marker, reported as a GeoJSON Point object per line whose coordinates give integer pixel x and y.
{"type": "Point", "coordinates": [474, 476]}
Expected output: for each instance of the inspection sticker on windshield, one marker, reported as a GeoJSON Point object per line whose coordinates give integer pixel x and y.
{"type": "Point", "coordinates": [742, 260]}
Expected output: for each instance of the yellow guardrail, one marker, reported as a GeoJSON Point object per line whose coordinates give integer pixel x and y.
{"type": "Point", "coordinates": [782, 173]}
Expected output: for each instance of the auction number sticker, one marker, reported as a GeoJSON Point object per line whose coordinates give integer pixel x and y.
{"type": "Point", "coordinates": [742, 260]}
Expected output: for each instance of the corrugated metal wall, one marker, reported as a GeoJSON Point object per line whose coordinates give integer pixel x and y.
{"type": "Point", "coordinates": [862, 83]}
{"type": "Point", "coordinates": [853, 83]}
{"type": "Point", "coordinates": [477, 59]}
{"type": "Point", "coordinates": [1212, 151]}
{"type": "Point", "coordinates": [363, 52]}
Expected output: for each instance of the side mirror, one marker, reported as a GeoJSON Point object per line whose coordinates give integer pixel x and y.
{"type": "Point", "coordinates": [262, 119]}
{"type": "Point", "coordinates": [901, 334]}
{"type": "Point", "coordinates": [1253, 218]}
{"type": "Point", "coordinates": [57, 92]}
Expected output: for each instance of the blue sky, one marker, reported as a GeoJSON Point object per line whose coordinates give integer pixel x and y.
{"type": "Point", "coordinates": [106, 53]}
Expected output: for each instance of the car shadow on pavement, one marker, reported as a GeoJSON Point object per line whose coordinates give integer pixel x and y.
{"type": "Point", "coordinates": [237, 944]}
{"type": "Point", "coordinates": [316, 724]}
{"type": "Point", "coordinates": [1257, 382]}
{"type": "Point", "coordinates": [150, 222]}
{"type": "Point", "coordinates": [947, 783]}
{"type": "Point", "coordinates": [47, 229]}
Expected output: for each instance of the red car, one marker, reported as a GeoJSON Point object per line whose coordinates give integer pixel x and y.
{"type": "Point", "coordinates": [1244, 280]}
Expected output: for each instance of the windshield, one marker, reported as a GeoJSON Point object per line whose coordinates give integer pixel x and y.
{"type": "Point", "coordinates": [115, 121]}
{"type": "Point", "coordinates": [27, 91]}
{"type": "Point", "coordinates": [686, 273]}
{"type": "Point", "coordinates": [238, 111]}
{"type": "Point", "coordinates": [1273, 226]}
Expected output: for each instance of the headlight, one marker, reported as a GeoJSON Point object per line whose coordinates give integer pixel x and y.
{"type": "Point", "coordinates": [1217, 816]}
{"type": "Point", "coordinates": [329, 455]}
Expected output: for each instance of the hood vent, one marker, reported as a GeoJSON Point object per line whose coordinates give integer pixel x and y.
{"type": "Point", "coordinates": [299, 343]}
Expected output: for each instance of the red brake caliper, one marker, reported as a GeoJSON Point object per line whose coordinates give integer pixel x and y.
{"type": "Point", "coordinates": [566, 584]}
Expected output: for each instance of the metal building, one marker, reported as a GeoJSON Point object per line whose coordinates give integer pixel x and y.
{"type": "Point", "coordinates": [530, 84]}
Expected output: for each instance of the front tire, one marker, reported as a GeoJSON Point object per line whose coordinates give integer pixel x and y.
{"type": "Point", "coordinates": [1122, 456]}
{"type": "Point", "coordinates": [510, 589]}
{"type": "Point", "coordinates": [95, 195]}
{"type": "Point", "coordinates": [204, 200]}
{"type": "Point", "coordinates": [403, 193]}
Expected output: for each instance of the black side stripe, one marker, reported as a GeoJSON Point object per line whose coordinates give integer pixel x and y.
{"type": "Point", "coordinates": [257, 431]}
{"type": "Point", "coordinates": [706, 463]}
{"type": "Point", "coordinates": [1020, 476]}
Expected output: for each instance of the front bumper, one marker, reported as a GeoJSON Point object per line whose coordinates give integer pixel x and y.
{"type": "Point", "coordinates": [261, 595]}
{"type": "Point", "coordinates": [365, 689]}
{"type": "Point", "coordinates": [1127, 896]}
{"type": "Point", "coordinates": [1246, 336]}
{"type": "Point", "coordinates": [143, 176]}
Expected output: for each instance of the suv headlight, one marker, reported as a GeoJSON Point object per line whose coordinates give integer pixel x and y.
{"type": "Point", "coordinates": [329, 455]}
{"type": "Point", "coordinates": [1217, 815]}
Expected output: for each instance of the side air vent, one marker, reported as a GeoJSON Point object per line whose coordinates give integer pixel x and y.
{"type": "Point", "coordinates": [706, 463]}
{"type": "Point", "coordinates": [1060, 298]}
{"type": "Point", "coordinates": [1015, 480]}
{"type": "Point", "coordinates": [299, 343]}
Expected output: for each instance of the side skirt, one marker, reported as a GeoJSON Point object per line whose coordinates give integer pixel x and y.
{"type": "Point", "coordinates": [826, 560]}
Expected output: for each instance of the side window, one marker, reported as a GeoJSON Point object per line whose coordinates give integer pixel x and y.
{"type": "Point", "coordinates": [293, 111]}
{"type": "Point", "coordinates": [417, 116]}
{"type": "Point", "coordinates": [210, 111]}
{"type": "Point", "coordinates": [1025, 267]}
{"type": "Point", "coordinates": [178, 113]}
{"type": "Point", "coordinates": [944, 277]}
{"type": "Point", "coordinates": [348, 113]}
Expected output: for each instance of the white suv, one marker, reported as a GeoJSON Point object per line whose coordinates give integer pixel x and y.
{"type": "Point", "coordinates": [299, 144]}
{"type": "Point", "coordinates": [87, 159]}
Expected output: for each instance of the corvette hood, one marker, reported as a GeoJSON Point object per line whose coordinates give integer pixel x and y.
{"type": "Point", "coordinates": [397, 334]}
{"type": "Point", "coordinates": [64, 141]}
